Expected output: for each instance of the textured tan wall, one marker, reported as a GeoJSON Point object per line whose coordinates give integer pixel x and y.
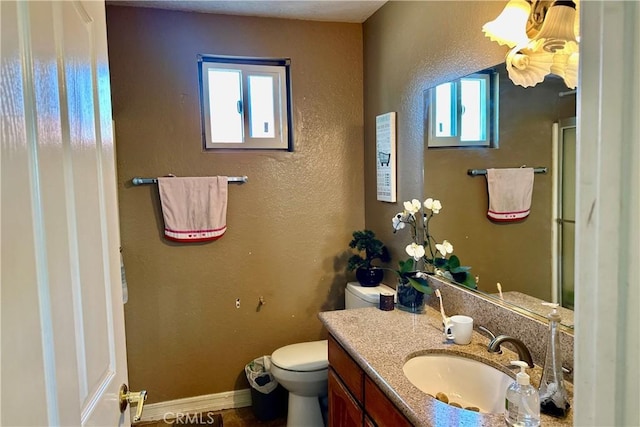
{"type": "Point", "coordinates": [288, 227]}
{"type": "Point", "coordinates": [410, 47]}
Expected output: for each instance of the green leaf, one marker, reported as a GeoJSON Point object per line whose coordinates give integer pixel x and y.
{"type": "Point", "coordinates": [420, 285]}
{"type": "Point", "coordinates": [441, 263]}
{"type": "Point", "coordinates": [406, 266]}
{"type": "Point", "coordinates": [470, 282]}
{"type": "Point", "coordinates": [459, 277]}
{"type": "Point", "coordinates": [461, 269]}
{"type": "Point", "coordinates": [454, 262]}
{"type": "Point", "coordinates": [354, 262]}
{"type": "Point", "coordinates": [465, 279]}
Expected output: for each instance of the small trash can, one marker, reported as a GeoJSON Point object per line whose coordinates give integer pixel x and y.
{"type": "Point", "coordinates": [268, 398]}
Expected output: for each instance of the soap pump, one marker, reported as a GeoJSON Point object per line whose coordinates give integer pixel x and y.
{"type": "Point", "coordinates": [522, 402]}
{"type": "Point", "coordinates": [553, 395]}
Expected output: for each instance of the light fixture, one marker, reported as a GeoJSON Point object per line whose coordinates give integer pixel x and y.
{"type": "Point", "coordinates": [509, 28]}
{"type": "Point", "coordinates": [528, 66]}
{"type": "Point", "coordinates": [543, 38]}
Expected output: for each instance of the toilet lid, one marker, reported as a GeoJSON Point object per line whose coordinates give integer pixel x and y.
{"type": "Point", "coordinates": [369, 293]}
{"type": "Point", "coordinates": [304, 356]}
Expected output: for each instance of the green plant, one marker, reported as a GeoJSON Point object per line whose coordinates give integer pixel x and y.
{"type": "Point", "coordinates": [424, 246]}
{"type": "Point", "coordinates": [407, 273]}
{"type": "Point", "coordinates": [369, 248]}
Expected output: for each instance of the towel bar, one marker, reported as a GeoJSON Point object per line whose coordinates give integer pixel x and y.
{"type": "Point", "coordinates": [142, 181]}
{"type": "Point", "coordinates": [476, 172]}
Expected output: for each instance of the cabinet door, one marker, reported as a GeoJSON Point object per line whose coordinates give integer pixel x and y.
{"type": "Point", "coordinates": [380, 408]}
{"type": "Point", "coordinates": [344, 411]}
{"type": "Point", "coordinates": [346, 368]}
{"type": "Point", "coordinates": [368, 422]}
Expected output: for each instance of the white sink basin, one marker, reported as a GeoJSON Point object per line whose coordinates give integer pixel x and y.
{"type": "Point", "coordinates": [464, 381]}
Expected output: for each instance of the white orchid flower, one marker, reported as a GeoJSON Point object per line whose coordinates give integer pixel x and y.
{"type": "Point", "coordinates": [444, 248]}
{"type": "Point", "coordinates": [398, 221]}
{"type": "Point", "coordinates": [415, 250]}
{"type": "Point", "coordinates": [412, 207]}
{"type": "Point", "coordinates": [421, 275]}
{"type": "Point", "coordinates": [433, 205]}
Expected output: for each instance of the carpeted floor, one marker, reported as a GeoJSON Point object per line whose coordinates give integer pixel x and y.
{"type": "Point", "coordinates": [240, 417]}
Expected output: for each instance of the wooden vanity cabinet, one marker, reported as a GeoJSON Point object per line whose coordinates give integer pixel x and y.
{"type": "Point", "coordinates": [344, 410]}
{"type": "Point", "coordinates": [354, 399]}
{"type": "Point", "coordinates": [368, 422]}
{"type": "Point", "coordinates": [380, 408]}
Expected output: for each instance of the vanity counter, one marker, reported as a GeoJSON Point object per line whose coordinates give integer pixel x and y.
{"type": "Point", "coordinates": [382, 341]}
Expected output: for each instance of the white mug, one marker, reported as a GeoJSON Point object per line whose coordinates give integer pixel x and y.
{"type": "Point", "coordinates": [459, 328]}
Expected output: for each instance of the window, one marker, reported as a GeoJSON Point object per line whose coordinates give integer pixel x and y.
{"type": "Point", "coordinates": [245, 102]}
{"type": "Point", "coordinates": [464, 112]}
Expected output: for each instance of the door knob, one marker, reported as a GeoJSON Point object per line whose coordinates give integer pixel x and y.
{"type": "Point", "coordinates": [137, 397]}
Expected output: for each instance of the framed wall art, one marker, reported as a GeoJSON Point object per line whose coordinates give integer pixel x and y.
{"type": "Point", "coordinates": [386, 157]}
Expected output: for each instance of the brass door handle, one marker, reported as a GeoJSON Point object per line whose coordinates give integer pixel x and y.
{"type": "Point", "coordinates": [137, 397]}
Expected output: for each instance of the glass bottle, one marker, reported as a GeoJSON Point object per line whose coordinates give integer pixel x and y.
{"type": "Point", "coordinates": [553, 395]}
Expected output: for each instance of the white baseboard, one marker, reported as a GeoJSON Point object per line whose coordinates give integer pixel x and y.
{"type": "Point", "coordinates": [194, 405]}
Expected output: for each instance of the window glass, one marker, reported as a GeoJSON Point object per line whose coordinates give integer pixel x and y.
{"type": "Point", "coordinates": [445, 110]}
{"type": "Point", "coordinates": [472, 114]}
{"type": "Point", "coordinates": [225, 100]}
{"type": "Point", "coordinates": [261, 106]}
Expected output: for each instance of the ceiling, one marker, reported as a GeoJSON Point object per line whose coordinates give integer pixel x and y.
{"type": "Point", "coordinates": [317, 10]}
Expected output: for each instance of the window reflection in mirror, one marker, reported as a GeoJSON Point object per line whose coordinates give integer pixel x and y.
{"type": "Point", "coordinates": [464, 112]}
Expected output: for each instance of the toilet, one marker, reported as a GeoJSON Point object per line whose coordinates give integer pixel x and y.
{"type": "Point", "coordinates": [302, 368]}
{"type": "Point", "coordinates": [356, 296]}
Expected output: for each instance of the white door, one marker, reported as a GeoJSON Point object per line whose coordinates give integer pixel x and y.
{"type": "Point", "coordinates": [63, 344]}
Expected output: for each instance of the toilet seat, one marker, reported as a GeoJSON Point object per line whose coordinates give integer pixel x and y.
{"type": "Point", "coordinates": [302, 357]}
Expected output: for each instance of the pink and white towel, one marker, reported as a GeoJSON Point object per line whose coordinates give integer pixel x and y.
{"type": "Point", "coordinates": [194, 209]}
{"type": "Point", "coordinates": [510, 193]}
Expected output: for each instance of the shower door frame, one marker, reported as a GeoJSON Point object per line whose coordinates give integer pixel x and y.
{"type": "Point", "coordinates": [559, 129]}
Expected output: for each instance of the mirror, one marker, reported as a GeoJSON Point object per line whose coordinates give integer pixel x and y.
{"type": "Point", "coordinates": [522, 256]}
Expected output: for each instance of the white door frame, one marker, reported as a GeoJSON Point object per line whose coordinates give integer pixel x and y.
{"type": "Point", "coordinates": [607, 341]}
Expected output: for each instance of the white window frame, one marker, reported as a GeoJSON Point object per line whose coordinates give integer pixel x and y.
{"type": "Point", "coordinates": [279, 69]}
{"type": "Point", "coordinates": [491, 113]}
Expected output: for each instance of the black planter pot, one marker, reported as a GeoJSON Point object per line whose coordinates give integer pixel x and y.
{"type": "Point", "coordinates": [369, 277]}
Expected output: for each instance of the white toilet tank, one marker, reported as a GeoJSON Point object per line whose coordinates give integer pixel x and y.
{"type": "Point", "coordinates": [356, 296]}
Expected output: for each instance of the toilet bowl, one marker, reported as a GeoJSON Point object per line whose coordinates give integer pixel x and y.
{"type": "Point", "coordinates": [302, 368]}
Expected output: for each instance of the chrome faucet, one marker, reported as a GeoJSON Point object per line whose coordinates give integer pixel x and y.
{"type": "Point", "coordinates": [523, 352]}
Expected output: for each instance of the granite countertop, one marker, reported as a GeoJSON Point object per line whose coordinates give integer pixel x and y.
{"type": "Point", "coordinates": [382, 341]}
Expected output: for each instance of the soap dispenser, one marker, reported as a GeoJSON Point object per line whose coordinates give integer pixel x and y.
{"type": "Point", "coordinates": [522, 402]}
{"type": "Point", "coordinates": [553, 395]}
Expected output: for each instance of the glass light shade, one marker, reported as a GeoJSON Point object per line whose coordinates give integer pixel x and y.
{"type": "Point", "coordinates": [559, 26]}
{"type": "Point", "coordinates": [565, 64]}
{"type": "Point", "coordinates": [571, 71]}
{"type": "Point", "coordinates": [528, 67]}
{"type": "Point", "coordinates": [576, 24]}
{"type": "Point", "coordinates": [559, 64]}
{"type": "Point", "coordinates": [509, 28]}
